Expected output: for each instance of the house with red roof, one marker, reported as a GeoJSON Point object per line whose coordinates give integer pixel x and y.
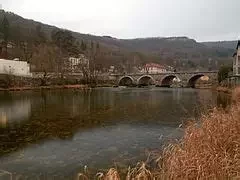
{"type": "Point", "coordinates": [153, 68]}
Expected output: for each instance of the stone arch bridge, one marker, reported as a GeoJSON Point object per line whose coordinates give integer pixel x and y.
{"type": "Point", "coordinates": [186, 79]}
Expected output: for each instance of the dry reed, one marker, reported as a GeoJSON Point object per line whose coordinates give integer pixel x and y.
{"type": "Point", "coordinates": [236, 95]}
{"type": "Point", "coordinates": [208, 151]}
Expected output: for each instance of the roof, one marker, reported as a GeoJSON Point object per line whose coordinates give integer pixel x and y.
{"type": "Point", "coordinates": [238, 44]}
{"type": "Point", "coordinates": [155, 65]}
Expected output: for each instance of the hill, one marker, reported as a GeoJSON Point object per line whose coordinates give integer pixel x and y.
{"type": "Point", "coordinates": [222, 44]}
{"type": "Point", "coordinates": [180, 52]}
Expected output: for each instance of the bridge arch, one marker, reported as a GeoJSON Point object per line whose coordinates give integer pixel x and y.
{"type": "Point", "coordinates": [126, 81]}
{"type": "Point", "coordinates": [168, 79]}
{"type": "Point", "coordinates": [145, 80]}
{"type": "Point", "coordinates": [192, 81]}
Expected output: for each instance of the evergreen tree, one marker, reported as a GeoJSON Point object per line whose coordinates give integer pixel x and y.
{"type": "Point", "coordinates": [98, 46]}
{"type": "Point", "coordinates": [40, 38]}
{"type": "Point", "coordinates": [83, 46]}
{"type": "Point", "coordinates": [224, 72]}
{"type": "Point", "coordinates": [5, 28]}
{"type": "Point", "coordinates": [92, 45]}
{"type": "Point", "coordinates": [65, 41]}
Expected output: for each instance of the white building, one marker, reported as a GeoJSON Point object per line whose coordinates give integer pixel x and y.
{"type": "Point", "coordinates": [111, 69]}
{"type": "Point", "coordinates": [75, 64]}
{"type": "Point", "coordinates": [153, 68]}
{"type": "Point", "coordinates": [15, 67]}
{"type": "Point", "coordinates": [236, 61]}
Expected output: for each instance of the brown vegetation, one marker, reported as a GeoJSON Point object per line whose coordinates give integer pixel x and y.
{"type": "Point", "coordinates": [208, 151]}
{"type": "Point", "coordinates": [236, 95]}
{"type": "Point", "coordinates": [211, 151]}
{"type": "Point", "coordinates": [76, 86]}
{"type": "Point", "coordinates": [224, 89]}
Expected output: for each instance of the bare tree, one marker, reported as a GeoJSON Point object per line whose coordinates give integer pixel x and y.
{"type": "Point", "coordinates": [45, 57]}
{"type": "Point", "coordinates": [67, 46]}
{"type": "Point", "coordinates": [4, 28]}
{"type": "Point", "coordinates": [92, 52]}
{"type": "Point", "coordinates": [27, 49]}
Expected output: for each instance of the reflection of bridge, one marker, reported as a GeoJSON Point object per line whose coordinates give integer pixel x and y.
{"type": "Point", "coordinates": [186, 79]}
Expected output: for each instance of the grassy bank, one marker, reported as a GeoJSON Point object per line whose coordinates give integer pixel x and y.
{"type": "Point", "coordinates": [76, 86]}
{"type": "Point", "coordinates": [210, 150]}
{"type": "Point", "coordinates": [17, 83]}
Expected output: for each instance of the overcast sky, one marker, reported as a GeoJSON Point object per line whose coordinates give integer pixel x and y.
{"type": "Point", "coordinates": [203, 20]}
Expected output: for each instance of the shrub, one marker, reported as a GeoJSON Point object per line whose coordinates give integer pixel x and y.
{"type": "Point", "coordinates": [223, 73]}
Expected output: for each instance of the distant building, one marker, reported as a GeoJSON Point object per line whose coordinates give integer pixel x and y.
{"type": "Point", "coordinates": [76, 64]}
{"type": "Point", "coordinates": [111, 69]}
{"type": "Point", "coordinates": [10, 45]}
{"type": "Point", "coordinates": [236, 61]}
{"type": "Point", "coordinates": [170, 69]}
{"type": "Point", "coordinates": [234, 78]}
{"type": "Point", "coordinates": [153, 68]}
{"type": "Point", "coordinates": [15, 67]}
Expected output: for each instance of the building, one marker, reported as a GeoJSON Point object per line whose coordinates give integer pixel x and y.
{"type": "Point", "coordinates": [111, 69]}
{"type": "Point", "coordinates": [15, 67]}
{"type": "Point", "coordinates": [76, 64]}
{"type": "Point", "coordinates": [234, 78]}
{"type": "Point", "coordinates": [236, 61]}
{"type": "Point", "coordinates": [10, 45]}
{"type": "Point", "coordinates": [153, 68]}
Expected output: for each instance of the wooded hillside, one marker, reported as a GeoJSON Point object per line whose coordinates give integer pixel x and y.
{"type": "Point", "coordinates": [179, 52]}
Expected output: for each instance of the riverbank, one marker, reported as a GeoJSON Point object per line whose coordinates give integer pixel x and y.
{"type": "Point", "coordinates": [207, 151]}
{"type": "Point", "coordinates": [77, 86]}
{"type": "Point", "coordinates": [16, 83]}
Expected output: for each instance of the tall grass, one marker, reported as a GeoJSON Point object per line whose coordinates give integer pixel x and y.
{"type": "Point", "coordinates": [236, 95]}
{"type": "Point", "coordinates": [210, 150]}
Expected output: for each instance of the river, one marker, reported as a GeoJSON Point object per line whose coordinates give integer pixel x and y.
{"type": "Point", "coordinates": [56, 133]}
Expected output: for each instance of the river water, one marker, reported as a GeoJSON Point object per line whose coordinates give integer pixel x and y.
{"type": "Point", "coordinates": [56, 133]}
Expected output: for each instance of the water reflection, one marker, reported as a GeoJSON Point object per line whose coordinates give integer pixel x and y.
{"type": "Point", "coordinates": [3, 120]}
{"type": "Point", "coordinates": [14, 111]}
{"type": "Point", "coordinates": [223, 100]}
{"type": "Point", "coordinates": [60, 131]}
